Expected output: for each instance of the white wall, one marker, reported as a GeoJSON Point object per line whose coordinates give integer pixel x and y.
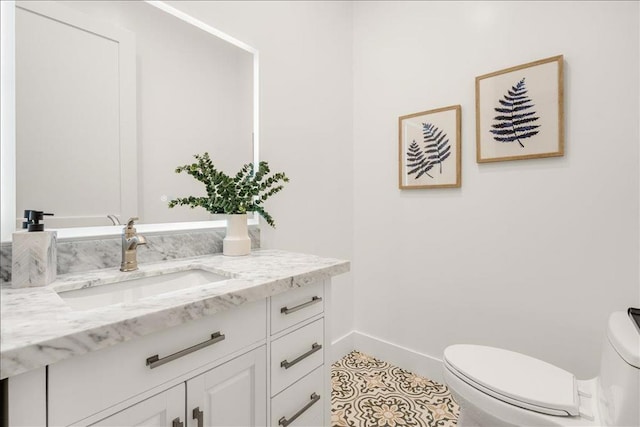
{"type": "Point", "coordinates": [527, 255]}
{"type": "Point", "coordinates": [306, 123]}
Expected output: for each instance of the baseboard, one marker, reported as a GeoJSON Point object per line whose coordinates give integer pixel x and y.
{"type": "Point", "coordinates": [402, 357]}
{"type": "Point", "coordinates": [342, 346]}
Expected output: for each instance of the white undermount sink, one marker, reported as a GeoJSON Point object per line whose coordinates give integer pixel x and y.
{"type": "Point", "coordinates": [134, 289]}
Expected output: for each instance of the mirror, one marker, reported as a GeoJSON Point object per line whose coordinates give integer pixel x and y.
{"type": "Point", "coordinates": [112, 96]}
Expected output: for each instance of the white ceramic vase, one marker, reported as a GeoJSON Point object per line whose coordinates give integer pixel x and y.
{"type": "Point", "coordinates": [237, 241]}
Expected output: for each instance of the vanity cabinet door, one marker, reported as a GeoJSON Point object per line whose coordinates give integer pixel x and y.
{"type": "Point", "coordinates": [296, 354]}
{"type": "Point", "coordinates": [233, 394]}
{"type": "Point", "coordinates": [83, 386]}
{"type": "Point", "coordinates": [295, 306]}
{"type": "Point", "coordinates": [162, 410]}
{"type": "Point", "coordinates": [302, 404]}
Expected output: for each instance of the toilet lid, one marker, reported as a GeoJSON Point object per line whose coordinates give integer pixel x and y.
{"type": "Point", "coordinates": [515, 378]}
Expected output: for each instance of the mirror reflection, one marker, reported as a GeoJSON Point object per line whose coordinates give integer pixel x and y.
{"type": "Point", "coordinates": [110, 98]}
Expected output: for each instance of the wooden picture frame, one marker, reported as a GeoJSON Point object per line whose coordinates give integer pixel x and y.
{"type": "Point", "coordinates": [519, 112]}
{"type": "Point", "coordinates": [429, 149]}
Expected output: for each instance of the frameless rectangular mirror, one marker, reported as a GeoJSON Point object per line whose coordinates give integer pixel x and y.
{"type": "Point", "coordinates": [109, 98]}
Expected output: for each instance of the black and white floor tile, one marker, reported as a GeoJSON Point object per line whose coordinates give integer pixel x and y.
{"type": "Point", "coordinates": [367, 392]}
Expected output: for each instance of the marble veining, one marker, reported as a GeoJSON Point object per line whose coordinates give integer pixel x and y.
{"type": "Point", "coordinates": [5, 262]}
{"type": "Point", "coordinates": [34, 259]}
{"type": "Point", "coordinates": [85, 255]}
{"type": "Point", "coordinates": [38, 328]}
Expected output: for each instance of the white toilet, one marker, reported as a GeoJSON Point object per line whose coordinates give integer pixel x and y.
{"type": "Point", "coordinates": [497, 387]}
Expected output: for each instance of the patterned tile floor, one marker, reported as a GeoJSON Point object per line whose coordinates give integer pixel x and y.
{"type": "Point", "coordinates": [367, 392]}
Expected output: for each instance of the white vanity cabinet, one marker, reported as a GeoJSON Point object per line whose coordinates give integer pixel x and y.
{"type": "Point", "coordinates": [300, 373]}
{"type": "Point", "coordinates": [302, 403]}
{"type": "Point", "coordinates": [163, 409]}
{"type": "Point", "coordinates": [82, 390]}
{"type": "Point", "coordinates": [262, 363]}
{"type": "Point", "coordinates": [233, 394]}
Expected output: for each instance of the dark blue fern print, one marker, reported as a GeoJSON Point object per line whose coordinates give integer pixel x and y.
{"type": "Point", "coordinates": [437, 142]}
{"type": "Point", "coordinates": [416, 160]}
{"type": "Point", "coordinates": [515, 123]}
{"type": "Point", "coordinates": [436, 151]}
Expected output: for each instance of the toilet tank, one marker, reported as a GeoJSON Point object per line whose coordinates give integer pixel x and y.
{"type": "Point", "coordinates": [619, 379]}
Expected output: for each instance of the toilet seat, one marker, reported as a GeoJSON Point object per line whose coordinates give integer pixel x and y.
{"type": "Point", "coordinates": [515, 378]}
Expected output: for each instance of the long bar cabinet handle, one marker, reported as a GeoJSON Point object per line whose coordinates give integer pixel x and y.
{"type": "Point", "coordinates": [286, 365]}
{"type": "Point", "coordinates": [177, 423]}
{"type": "Point", "coordinates": [155, 361]}
{"type": "Point", "coordinates": [284, 422]}
{"type": "Point", "coordinates": [286, 310]}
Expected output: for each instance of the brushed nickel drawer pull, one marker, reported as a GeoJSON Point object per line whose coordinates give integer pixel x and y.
{"type": "Point", "coordinates": [315, 347]}
{"type": "Point", "coordinates": [286, 310]}
{"type": "Point", "coordinates": [155, 361]}
{"type": "Point", "coordinates": [284, 422]}
{"type": "Point", "coordinates": [198, 415]}
{"type": "Point", "coordinates": [177, 423]}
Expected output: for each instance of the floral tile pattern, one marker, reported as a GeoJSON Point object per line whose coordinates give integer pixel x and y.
{"type": "Point", "coordinates": [367, 392]}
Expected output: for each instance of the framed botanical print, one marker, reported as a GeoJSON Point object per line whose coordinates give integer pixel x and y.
{"type": "Point", "coordinates": [519, 112]}
{"type": "Point", "coordinates": [429, 149]}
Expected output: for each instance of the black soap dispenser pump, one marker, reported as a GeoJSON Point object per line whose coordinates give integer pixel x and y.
{"type": "Point", "coordinates": [33, 219]}
{"type": "Point", "coordinates": [34, 252]}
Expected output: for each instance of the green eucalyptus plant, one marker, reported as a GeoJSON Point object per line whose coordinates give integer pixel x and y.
{"type": "Point", "coordinates": [245, 192]}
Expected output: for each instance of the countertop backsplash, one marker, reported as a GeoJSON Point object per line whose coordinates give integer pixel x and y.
{"type": "Point", "coordinates": [84, 255]}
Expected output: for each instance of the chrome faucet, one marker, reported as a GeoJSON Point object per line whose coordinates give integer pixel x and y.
{"type": "Point", "coordinates": [130, 242]}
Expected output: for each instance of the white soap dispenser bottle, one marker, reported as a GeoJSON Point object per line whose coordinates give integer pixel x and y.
{"type": "Point", "coordinates": [33, 253]}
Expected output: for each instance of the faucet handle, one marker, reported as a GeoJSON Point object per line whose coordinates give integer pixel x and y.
{"type": "Point", "coordinates": [114, 219]}
{"type": "Point", "coordinates": [131, 220]}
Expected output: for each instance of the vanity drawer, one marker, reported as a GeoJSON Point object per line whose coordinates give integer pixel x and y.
{"type": "Point", "coordinates": [296, 354]}
{"type": "Point", "coordinates": [85, 385]}
{"type": "Point", "coordinates": [304, 399]}
{"type": "Point", "coordinates": [294, 306]}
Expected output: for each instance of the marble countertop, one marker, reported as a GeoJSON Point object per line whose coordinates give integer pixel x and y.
{"type": "Point", "coordinates": [38, 328]}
